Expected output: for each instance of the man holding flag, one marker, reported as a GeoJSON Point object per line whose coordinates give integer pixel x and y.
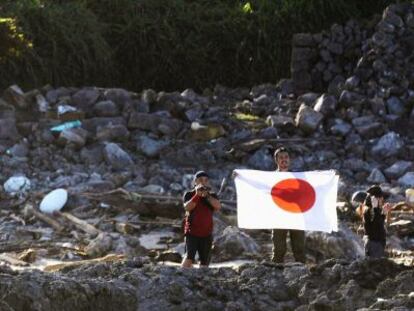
{"type": "Point", "coordinates": [297, 237]}
{"type": "Point", "coordinates": [287, 202]}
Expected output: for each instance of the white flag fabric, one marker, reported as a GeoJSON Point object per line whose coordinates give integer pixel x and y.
{"type": "Point", "coordinates": [287, 200]}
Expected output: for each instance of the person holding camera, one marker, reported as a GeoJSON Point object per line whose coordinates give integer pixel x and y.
{"type": "Point", "coordinates": [200, 204]}
{"type": "Point", "coordinates": [376, 213]}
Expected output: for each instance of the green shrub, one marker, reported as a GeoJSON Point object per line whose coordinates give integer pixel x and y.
{"type": "Point", "coordinates": [166, 44]}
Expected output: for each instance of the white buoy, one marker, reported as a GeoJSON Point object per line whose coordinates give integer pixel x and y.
{"type": "Point", "coordinates": [54, 201]}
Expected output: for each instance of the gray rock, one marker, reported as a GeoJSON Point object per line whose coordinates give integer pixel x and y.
{"type": "Point", "coordinates": [388, 145]}
{"type": "Point", "coordinates": [407, 180]}
{"type": "Point", "coordinates": [286, 87]}
{"type": "Point", "coordinates": [261, 160]}
{"type": "Point", "coordinates": [152, 189]}
{"type": "Point", "coordinates": [352, 82]}
{"type": "Point", "coordinates": [395, 106]}
{"type": "Point", "coordinates": [308, 98]}
{"type": "Point", "coordinates": [398, 169]}
{"type": "Point", "coordinates": [85, 98]}
{"type": "Point", "coordinates": [376, 177]}
{"type": "Point", "coordinates": [75, 137]}
{"type": "Point", "coordinates": [8, 129]}
{"type": "Point", "coordinates": [91, 125]}
{"type": "Point", "coordinates": [268, 133]}
{"type": "Point", "coordinates": [118, 96]}
{"type": "Point", "coordinates": [151, 147]}
{"type": "Point", "coordinates": [116, 157]}
{"type": "Point", "coordinates": [378, 106]}
{"type": "Point", "coordinates": [100, 246]}
{"type": "Point", "coordinates": [53, 95]}
{"type": "Point", "coordinates": [106, 108]}
{"type": "Point", "coordinates": [280, 121]}
{"type": "Point", "coordinates": [110, 132]}
{"type": "Point", "coordinates": [233, 244]}
{"type": "Point", "coordinates": [344, 244]}
{"type": "Point", "coordinates": [17, 185]}
{"type": "Point", "coordinates": [308, 119]}
{"type": "Point", "coordinates": [326, 104]}
{"type": "Point", "coordinates": [340, 128]}
{"type": "Point", "coordinates": [92, 154]}
{"type": "Point", "coordinates": [194, 113]}
{"type": "Point", "coordinates": [356, 165]}
{"type": "Point", "coordinates": [15, 96]}
{"type": "Point", "coordinates": [154, 123]}
{"type": "Point", "coordinates": [348, 98]}
{"type": "Point", "coordinates": [19, 150]}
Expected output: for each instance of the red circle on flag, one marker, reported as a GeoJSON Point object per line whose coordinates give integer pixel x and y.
{"type": "Point", "coordinates": [294, 195]}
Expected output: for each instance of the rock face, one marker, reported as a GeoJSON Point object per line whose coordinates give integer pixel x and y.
{"type": "Point", "coordinates": [332, 285]}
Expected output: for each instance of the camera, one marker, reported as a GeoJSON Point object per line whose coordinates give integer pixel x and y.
{"type": "Point", "coordinates": [204, 188]}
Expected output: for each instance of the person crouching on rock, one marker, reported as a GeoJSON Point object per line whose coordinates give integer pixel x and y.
{"type": "Point", "coordinates": [375, 214]}
{"type": "Point", "coordinates": [199, 204]}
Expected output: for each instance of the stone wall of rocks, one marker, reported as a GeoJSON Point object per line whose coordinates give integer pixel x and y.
{"type": "Point", "coordinates": [320, 61]}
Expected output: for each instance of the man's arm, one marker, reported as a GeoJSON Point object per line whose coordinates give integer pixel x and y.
{"type": "Point", "coordinates": [214, 202]}
{"type": "Point", "coordinates": [190, 201]}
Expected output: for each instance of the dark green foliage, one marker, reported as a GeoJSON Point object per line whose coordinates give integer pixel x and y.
{"type": "Point", "coordinates": [166, 44]}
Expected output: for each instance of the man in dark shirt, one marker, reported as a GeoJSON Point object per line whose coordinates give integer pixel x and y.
{"type": "Point", "coordinates": [375, 214]}
{"type": "Point", "coordinates": [199, 204]}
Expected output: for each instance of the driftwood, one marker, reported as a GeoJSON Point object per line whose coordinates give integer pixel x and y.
{"type": "Point", "coordinates": [46, 219]}
{"type": "Point", "coordinates": [73, 264]}
{"type": "Point", "coordinates": [18, 246]}
{"type": "Point", "coordinates": [80, 224]}
{"type": "Point", "coordinates": [145, 204]}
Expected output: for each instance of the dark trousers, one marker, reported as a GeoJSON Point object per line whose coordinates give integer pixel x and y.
{"type": "Point", "coordinates": [297, 239]}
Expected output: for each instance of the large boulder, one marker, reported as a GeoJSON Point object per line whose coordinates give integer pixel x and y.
{"type": "Point", "coordinates": [326, 104]}
{"type": "Point", "coordinates": [376, 177]}
{"type": "Point", "coordinates": [151, 147]}
{"type": "Point", "coordinates": [344, 244]}
{"type": "Point", "coordinates": [261, 160]}
{"type": "Point", "coordinates": [233, 244]}
{"type": "Point", "coordinates": [308, 119]}
{"type": "Point", "coordinates": [388, 145]}
{"type": "Point", "coordinates": [155, 123]}
{"type": "Point", "coordinates": [119, 96]}
{"type": "Point", "coordinates": [85, 99]}
{"type": "Point", "coordinates": [106, 108]}
{"type": "Point", "coordinates": [395, 106]}
{"type": "Point", "coordinates": [15, 96]}
{"type": "Point", "coordinates": [75, 137]}
{"type": "Point", "coordinates": [112, 132]}
{"type": "Point", "coordinates": [116, 156]}
{"type": "Point", "coordinates": [407, 180]}
{"type": "Point", "coordinates": [398, 169]}
{"type": "Point", "coordinates": [8, 129]}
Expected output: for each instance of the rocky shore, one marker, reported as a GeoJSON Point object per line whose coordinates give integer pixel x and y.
{"type": "Point", "coordinates": [125, 159]}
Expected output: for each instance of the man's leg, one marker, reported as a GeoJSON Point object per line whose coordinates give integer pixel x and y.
{"type": "Point", "coordinates": [279, 244]}
{"type": "Point", "coordinates": [204, 250]}
{"type": "Point", "coordinates": [297, 239]}
{"type": "Point", "coordinates": [191, 249]}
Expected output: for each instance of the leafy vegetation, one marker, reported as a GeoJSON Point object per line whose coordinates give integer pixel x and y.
{"type": "Point", "coordinates": [162, 44]}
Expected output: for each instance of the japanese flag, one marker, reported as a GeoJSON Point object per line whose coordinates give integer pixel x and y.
{"type": "Point", "coordinates": [286, 200]}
